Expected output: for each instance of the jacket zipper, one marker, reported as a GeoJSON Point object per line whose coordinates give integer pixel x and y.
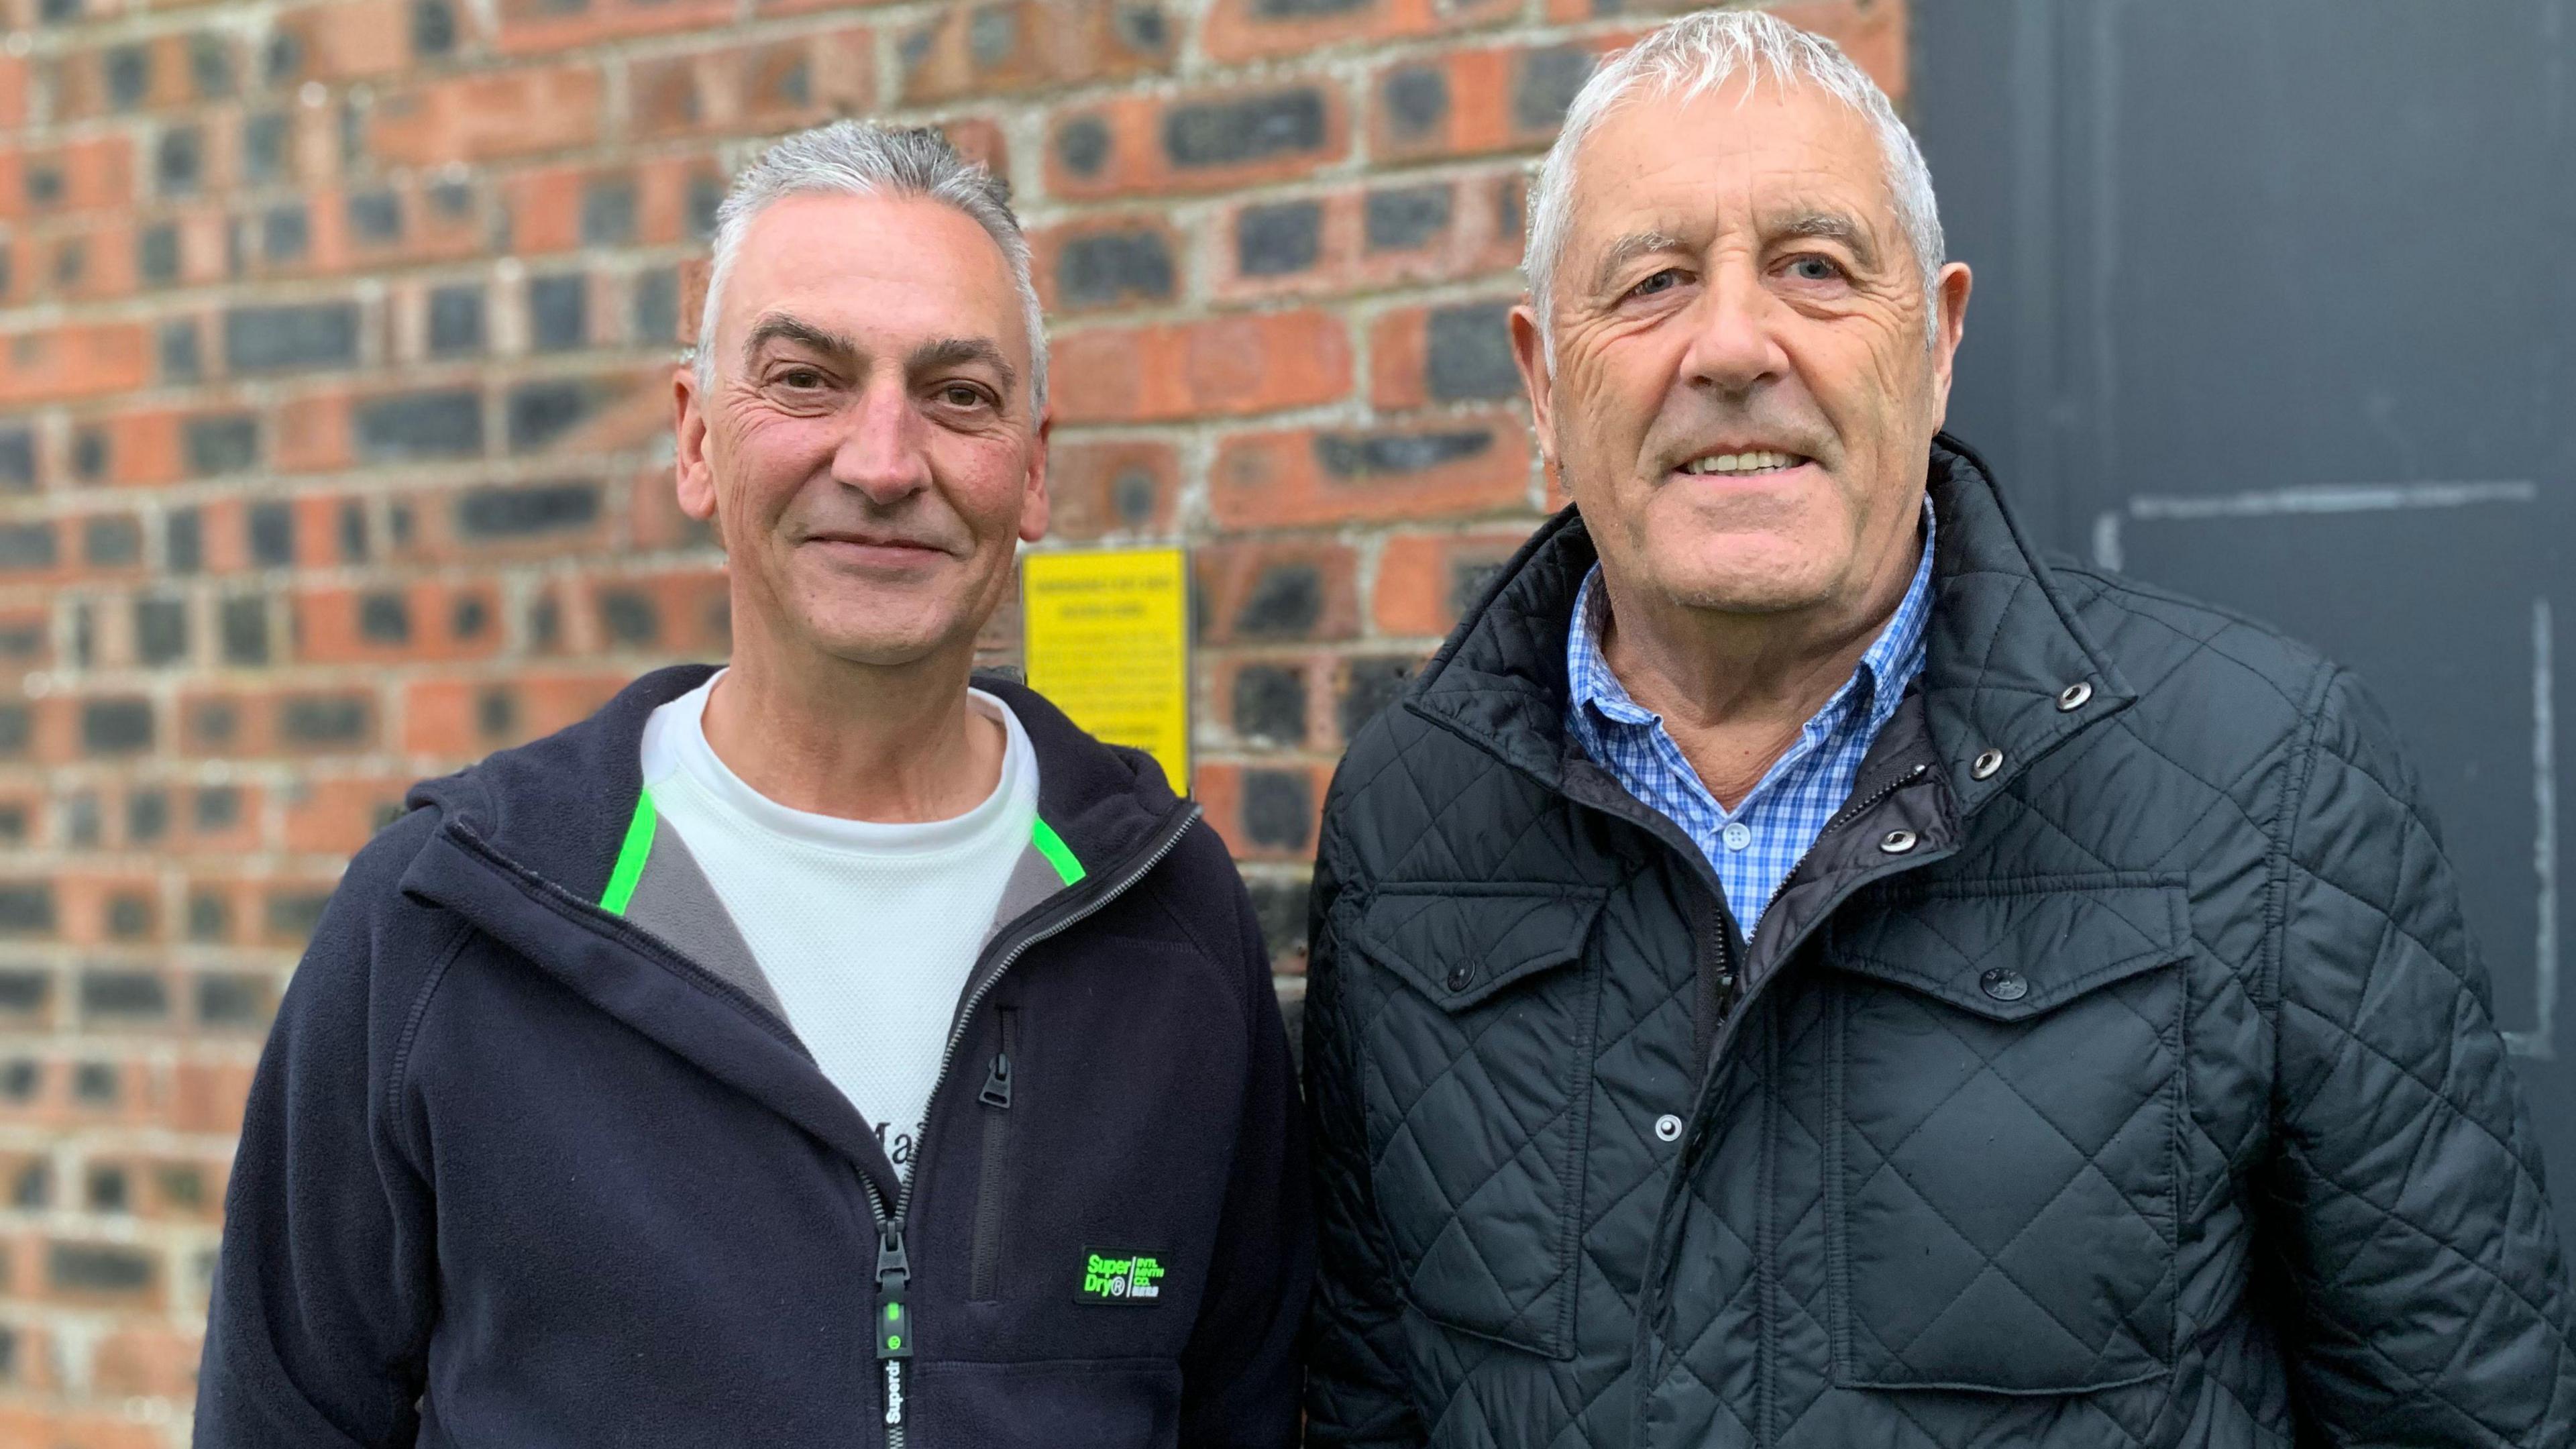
{"type": "Point", "coordinates": [893, 1320]}
{"type": "Point", "coordinates": [996, 1097]}
{"type": "Point", "coordinates": [1842, 817]}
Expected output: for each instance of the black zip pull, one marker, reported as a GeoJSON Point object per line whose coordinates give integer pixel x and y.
{"type": "Point", "coordinates": [893, 1321]}
{"type": "Point", "coordinates": [894, 1269]}
{"type": "Point", "coordinates": [997, 1082]}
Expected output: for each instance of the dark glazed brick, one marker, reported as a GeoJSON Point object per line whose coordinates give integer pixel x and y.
{"type": "Point", "coordinates": [272, 534]}
{"type": "Point", "coordinates": [97, 1268]}
{"type": "Point", "coordinates": [375, 217]}
{"type": "Point", "coordinates": [111, 542]}
{"type": "Point", "coordinates": [55, 11]}
{"type": "Point", "coordinates": [325, 720]}
{"type": "Point", "coordinates": [160, 630]}
{"type": "Point", "coordinates": [24, 992]}
{"type": "Point", "coordinates": [1347, 456]}
{"type": "Point", "coordinates": [296, 913]}
{"type": "Point", "coordinates": [17, 459]}
{"type": "Point", "coordinates": [1279, 906]}
{"type": "Point", "coordinates": [540, 412]}
{"type": "Point", "coordinates": [1285, 602]}
{"type": "Point", "coordinates": [1278, 808]}
{"type": "Point", "coordinates": [89, 455]}
{"type": "Point", "coordinates": [179, 160]}
{"type": "Point", "coordinates": [209, 918]}
{"type": "Point", "coordinates": [1271, 241]}
{"type": "Point", "coordinates": [445, 423]}
{"type": "Point", "coordinates": [992, 34]}
{"type": "Point", "coordinates": [496, 713]}
{"type": "Point", "coordinates": [433, 27]}
{"type": "Point", "coordinates": [107, 1189]}
{"type": "Point", "coordinates": [225, 443]}
{"type": "Point", "coordinates": [1416, 98]}
{"type": "Point", "coordinates": [217, 807]}
{"type": "Point", "coordinates": [285, 234]}
{"type": "Point", "coordinates": [147, 816]}
{"type": "Point", "coordinates": [1371, 685]}
{"type": "Point", "coordinates": [71, 263]}
{"type": "Point", "coordinates": [1305, 9]}
{"type": "Point", "coordinates": [264, 138]}
{"type": "Point", "coordinates": [353, 532]}
{"type": "Point", "coordinates": [156, 254]}
{"type": "Point", "coordinates": [559, 312]}
{"type": "Point", "coordinates": [34, 1187]}
{"type": "Point", "coordinates": [469, 617]}
{"type": "Point", "coordinates": [657, 308]}
{"type": "Point", "coordinates": [214, 722]}
{"type": "Point", "coordinates": [1270, 704]}
{"type": "Point", "coordinates": [1400, 221]}
{"type": "Point", "coordinates": [285, 60]}
{"type": "Point", "coordinates": [44, 185]}
{"type": "Point", "coordinates": [1131, 493]}
{"type": "Point", "coordinates": [17, 729]}
{"type": "Point", "coordinates": [384, 619]}
{"type": "Point", "coordinates": [455, 320]}
{"type": "Point", "coordinates": [243, 626]}
{"type": "Point", "coordinates": [1471, 352]}
{"type": "Point", "coordinates": [1112, 267]}
{"type": "Point", "coordinates": [272, 339]}
{"type": "Point", "coordinates": [1546, 83]}
{"type": "Point", "coordinates": [210, 67]}
{"type": "Point", "coordinates": [608, 212]}
{"type": "Point", "coordinates": [706, 194]}
{"type": "Point", "coordinates": [26, 908]}
{"type": "Point", "coordinates": [181, 359]}
{"type": "Point", "coordinates": [514, 512]}
{"type": "Point", "coordinates": [116, 726]}
{"type": "Point", "coordinates": [129, 76]}
{"type": "Point", "coordinates": [20, 1079]}
{"type": "Point", "coordinates": [1143, 28]}
{"type": "Point", "coordinates": [629, 617]}
{"type": "Point", "coordinates": [1232, 133]}
{"type": "Point", "coordinates": [96, 1083]}
{"type": "Point", "coordinates": [1082, 145]}
{"type": "Point", "coordinates": [128, 994]}
{"type": "Point", "coordinates": [231, 1000]}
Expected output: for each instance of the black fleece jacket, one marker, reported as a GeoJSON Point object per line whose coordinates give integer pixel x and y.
{"type": "Point", "coordinates": [518, 1170]}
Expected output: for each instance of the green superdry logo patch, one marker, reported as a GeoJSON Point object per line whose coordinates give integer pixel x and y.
{"type": "Point", "coordinates": [1120, 1276]}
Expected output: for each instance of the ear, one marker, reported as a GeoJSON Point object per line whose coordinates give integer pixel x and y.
{"type": "Point", "coordinates": [1950, 295]}
{"type": "Point", "coordinates": [1035, 504]}
{"type": "Point", "coordinates": [696, 480]}
{"type": "Point", "coordinates": [1529, 353]}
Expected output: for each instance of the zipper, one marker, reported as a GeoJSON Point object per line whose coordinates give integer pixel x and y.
{"type": "Point", "coordinates": [894, 1266]}
{"type": "Point", "coordinates": [1844, 816]}
{"type": "Point", "coordinates": [996, 1097]}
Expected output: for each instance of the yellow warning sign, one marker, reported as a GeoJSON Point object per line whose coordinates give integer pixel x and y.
{"type": "Point", "coordinates": [1107, 639]}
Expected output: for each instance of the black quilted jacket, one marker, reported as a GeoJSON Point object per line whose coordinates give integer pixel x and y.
{"type": "Point", "coordinates": [2116, 1071]}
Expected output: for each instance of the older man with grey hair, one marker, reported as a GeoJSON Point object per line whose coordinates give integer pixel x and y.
{"type": "Point", "coordinates": [820, 1050]}
{"type": "Point", "coordinates": [1799, 969]}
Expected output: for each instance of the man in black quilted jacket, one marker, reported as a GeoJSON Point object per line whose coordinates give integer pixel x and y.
{"type": "Point", "coordinates": [1797, 970]}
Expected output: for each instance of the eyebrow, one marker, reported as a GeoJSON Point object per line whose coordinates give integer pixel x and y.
{"type": "Point", "coordinates": [952, 351]}
{"type": "Point", "coordinates": [778, 327]}
{"type": "Point", "coordinates": [1616, 256]}
{"type": "Point", "coordinates": [936, 353]}
{"type": "Point", "coordinates": [1828, 226]}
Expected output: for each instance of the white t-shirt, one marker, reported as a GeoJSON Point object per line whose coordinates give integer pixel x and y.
{"type": "Point", "coordinates": [866, 931]}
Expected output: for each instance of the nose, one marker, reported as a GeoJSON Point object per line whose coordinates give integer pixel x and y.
{"type": "Point", "coordinates": [884, 454]}
{"type": "Point", "coordinates": [1733, 347]}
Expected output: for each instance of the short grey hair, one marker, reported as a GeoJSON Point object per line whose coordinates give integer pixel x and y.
{"type": "Point", "coordinates": [1690, 57]}
{"type": "Point", "coordinates": [859, 158]}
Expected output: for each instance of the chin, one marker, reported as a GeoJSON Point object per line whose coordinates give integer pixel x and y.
{"type": "Point", "coordinates": [1762, 575]}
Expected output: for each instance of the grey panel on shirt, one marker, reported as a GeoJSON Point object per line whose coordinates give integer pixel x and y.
{"type": "Point", "coordinates": [674, 901]}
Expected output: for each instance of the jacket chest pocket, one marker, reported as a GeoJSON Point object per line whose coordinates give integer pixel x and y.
{"type": "Point", "coordinates": [1479, 1049]}
{"type": "Point", "coordinates": [2004, 1071]}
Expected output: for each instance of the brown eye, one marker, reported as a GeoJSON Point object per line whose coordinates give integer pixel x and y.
{"type": "Point", "coordinates": [801, 378]}
{"type": "Point", "coordinates": [959, 395]}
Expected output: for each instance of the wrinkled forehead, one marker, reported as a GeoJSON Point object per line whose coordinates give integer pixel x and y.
{"type": "Point", "coordinates": [1753, 154]}
{"type": "Point", "coordinates": [895, 269]}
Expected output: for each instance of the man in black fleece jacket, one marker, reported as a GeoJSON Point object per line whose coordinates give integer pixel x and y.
{"type": "Point", "coordinates": [820, 1051]}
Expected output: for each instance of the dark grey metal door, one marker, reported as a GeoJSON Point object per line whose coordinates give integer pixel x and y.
{"type": "Point", "coordinates": [2276, 306]}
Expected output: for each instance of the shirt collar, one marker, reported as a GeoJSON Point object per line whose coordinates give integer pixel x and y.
{"type": "Point", "coordinates": [1877, 684]}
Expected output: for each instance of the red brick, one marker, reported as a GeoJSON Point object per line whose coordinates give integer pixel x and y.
{"type": "Point", "coordinates": [1480, 236]}
{"type": "Point", "coordinates": [530, 27]}
{"type": "Point", "coordinates": [1101, 488]}
{"type": "Point", "coordinates": [1252, 806]}
{"type": "Point", "coordinates": [310, 434]}
{"type": "Point", "coordinates": [1424, 581]}
{"type": "Point", "coordinates": [73, 361]}
{"type": "Point", "coordinates": [13, 91]}
{"type": "Point", "coordinates": [464, 719]}
{"type": "Point", "coordinates": [773, 86]}
{"type": "Point", "coordinates": [1225, 366]}
{"type": "Point", "coordinates": [1109, 263]}
{"type": "Point", "coordinates": [96, 173]}
{"type": "Point", "coordinates": [1150, 145]}
{"type": "Point", "coordinates": [1025, 45]}
{"type": "Point", "coordinates": [297, 723]}
{"type": "Point", "coordinates": [488, 116]}
{"type": "Point", "coordinates": [1287, 592]}
{"type": "Point", "coordinates": [1871, 32]}
{"type": "Point", "coordinates": [38, 1428]}
{"type": "Point", "coordinates": [1247, 30]}
{"type": "Point", "coordinates": [423, 621]}
{"type": "Point", "coordinates": [352, 39]}
{"type": "Point", "coordinates": [207, 1096]}
{"type": "Point", "coordinates": [1456, 466]}
{"type": "Point", "coordinates": [334, 815]}
{"type": "Point", "coordinates": [88, 264]}
{"type": "Point", "coordinates": [155, 1361]}
{"type": "Point", "coordinates": [1488, 98]}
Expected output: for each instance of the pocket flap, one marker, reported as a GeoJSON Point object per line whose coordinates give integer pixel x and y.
{"type": "Point", "coordinates": [1460, 944]}
{"type": "Point", "coordinates": [2011, 950]}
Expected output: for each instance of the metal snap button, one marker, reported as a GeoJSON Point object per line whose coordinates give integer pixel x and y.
{"type": "Point", "coordinates": [1462, 975]}
{"type": "Point", "coordinates": [1669, 1127]}
{"type": "Point", "coordinates": [1898, 842]}
{"type": "Point", "coordinates": [1987, 764]}
{"type": "Point", "coordinates": [2074, 695]}
{"type": "Point", "coordinates": [2004, 984]}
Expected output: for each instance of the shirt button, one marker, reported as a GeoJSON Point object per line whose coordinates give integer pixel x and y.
{"type": "Point", "coordinates": [1669, 1127]}
{"type": "Point", "coordinates": [1737, 835]}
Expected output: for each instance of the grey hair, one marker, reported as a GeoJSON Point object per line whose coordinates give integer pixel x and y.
{"type": "Point", "coordinates": [1697, 54]}
{"type": "Point", "coordinates": [859, 158]}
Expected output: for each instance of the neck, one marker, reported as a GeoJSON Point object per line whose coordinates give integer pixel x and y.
{"type": "Point", "coordinates": [1735, 690]}
{"type": "Point", "coordinates": [896, 744]}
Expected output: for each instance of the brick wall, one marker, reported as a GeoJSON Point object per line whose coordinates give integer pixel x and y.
{"type": "Point", "coordinates": [333, 453]}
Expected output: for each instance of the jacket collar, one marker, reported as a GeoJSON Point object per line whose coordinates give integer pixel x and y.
{"type": "Point", "coordinates": [2004, 645]}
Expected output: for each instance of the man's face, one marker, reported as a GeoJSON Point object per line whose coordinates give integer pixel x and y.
{"type": "Point", "coordinates": [865, 450]}
{"type": "Point", "coordinates": [1736, 293]}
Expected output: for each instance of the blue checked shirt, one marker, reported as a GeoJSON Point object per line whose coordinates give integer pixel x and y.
{"type": "Point", "coordinates": [1754, 848]}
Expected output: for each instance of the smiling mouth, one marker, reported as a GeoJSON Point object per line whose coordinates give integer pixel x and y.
{"type": "Point", "coordinates": [1742, 465]}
